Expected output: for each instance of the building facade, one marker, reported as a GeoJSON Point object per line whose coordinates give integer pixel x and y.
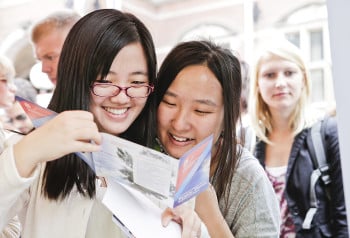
{"type": "Point", "coordinates": [237, 24]}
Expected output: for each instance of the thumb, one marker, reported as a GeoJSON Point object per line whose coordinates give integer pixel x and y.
{"type": "Point", "coordinates": [167, 215]}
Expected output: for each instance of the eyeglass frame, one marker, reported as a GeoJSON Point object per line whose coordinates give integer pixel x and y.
{"type": "Point", "coordinates": [121, 89]}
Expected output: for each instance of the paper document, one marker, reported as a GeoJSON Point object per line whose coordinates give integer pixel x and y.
{"type": "Point", "coordinates": [141, 182]}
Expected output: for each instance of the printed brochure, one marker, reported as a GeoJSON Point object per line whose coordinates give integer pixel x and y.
{"type": "Point", "coordinates": [141, 182]}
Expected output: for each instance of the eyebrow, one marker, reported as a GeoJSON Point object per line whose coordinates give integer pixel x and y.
{"type": "Point", "coordinates": [201, 101]}
{"type": "Point", "coordinates": [133, 73]}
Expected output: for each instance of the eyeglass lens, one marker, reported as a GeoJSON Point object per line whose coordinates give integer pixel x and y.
{"type": "Point", "coordinates": [105, 90]}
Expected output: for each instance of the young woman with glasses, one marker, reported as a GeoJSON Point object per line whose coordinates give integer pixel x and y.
{"type": "Point", "coordinates": [106, 73]}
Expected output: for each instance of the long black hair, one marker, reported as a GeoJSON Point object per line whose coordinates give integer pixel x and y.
{"type": "Point", "coordinates": [226, 68]}
{"type": "Point", "coordinates": [87, 54]}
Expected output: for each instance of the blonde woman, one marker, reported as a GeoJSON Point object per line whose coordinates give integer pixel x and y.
{"type": "Point", "coordinates": [280, 92]}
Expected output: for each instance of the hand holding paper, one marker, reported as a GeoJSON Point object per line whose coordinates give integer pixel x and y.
{"type": "Point", "coordinates": [141, 182]}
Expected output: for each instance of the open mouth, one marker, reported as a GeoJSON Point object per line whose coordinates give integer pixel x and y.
{"type": "Point", "coordinates": [116, 111]}
{"type": "Point", "coordinates": [180, 139]}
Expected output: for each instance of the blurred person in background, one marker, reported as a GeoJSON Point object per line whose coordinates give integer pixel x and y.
{"type": "Point", "coordinates": [7, 97]}
{"type": "Point", "coordinates": [47, 37]}
{"type": "Point", "coordinates": [25, 89]}
{"type": "Point", "coordinates": [17, 119]}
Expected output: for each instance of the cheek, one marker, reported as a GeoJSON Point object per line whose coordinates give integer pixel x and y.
{"type": "Point", "coordinates": [163, 116]}
{"type": "Point", "coordinates": [213, 126]}
{"type": "Point", "coordinates": [262, 89]}
{"type": "Point", "coordinates": [140, 103]}
{"type": "Point", "coordinates": [297, 84]}
{"type": "Point", "coordinates": [95, 100]}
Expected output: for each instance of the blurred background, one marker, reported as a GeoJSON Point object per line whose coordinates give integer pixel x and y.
{"type": "Point", "coordinates": [237, 24]}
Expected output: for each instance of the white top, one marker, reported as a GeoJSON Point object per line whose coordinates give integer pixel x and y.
{"type": "Point", "coordinates": [75, 216]}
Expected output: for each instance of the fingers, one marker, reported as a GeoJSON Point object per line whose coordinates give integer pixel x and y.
{"type": "Point", "coordinates": [68, 132]}
{"type": "Point", "coordinates": [186, 217]}
{"type": "Point", "coordinates": [167, 216]}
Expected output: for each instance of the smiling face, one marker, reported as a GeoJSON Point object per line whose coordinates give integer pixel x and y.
{"type": "Point", "coordinates": [114, 114]}
{"type": "Point", "coordinates": [192, 109]}
{"type": "Point", "coordinates": [280, 84]}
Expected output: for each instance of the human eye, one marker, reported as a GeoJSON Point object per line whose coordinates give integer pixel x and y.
{"type": "Point", "coordinates": [50, 57]}
{"type": "Point", "coordinates": [289, 73]}
{"type": "Point", "coordinates": [168, 102]}
{"type": "Point", "coordinates": [269, 75]}
{"type": "Point", "coordinates": [103, 81]}
{"type": "Point", "coordinates": [203, 111]}
{"type": "Point", "coordinates": [139, 83]}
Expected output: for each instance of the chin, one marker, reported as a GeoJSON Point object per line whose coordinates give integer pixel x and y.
{"type": "Point", "coordinates": [177, 153]}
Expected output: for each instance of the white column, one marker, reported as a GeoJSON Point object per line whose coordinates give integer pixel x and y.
{"type": "Point", "coordinates": [338, 19]}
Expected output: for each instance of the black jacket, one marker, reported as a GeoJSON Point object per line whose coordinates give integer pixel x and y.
{"type": "Point", "coordinates": [330, 219]}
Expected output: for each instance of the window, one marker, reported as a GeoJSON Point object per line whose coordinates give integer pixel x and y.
{"type": "Point", "coordinates": [307, 28]}
{"type": "Point", "coordinates": [294, 37]}
{"type": "Point", "coordinates": [316, 45]}
{"type": "Point", "coordinates": [317, 78]}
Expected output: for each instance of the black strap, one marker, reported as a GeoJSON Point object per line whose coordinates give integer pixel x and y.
{"type": "Point", "coordinates": [316, 145]}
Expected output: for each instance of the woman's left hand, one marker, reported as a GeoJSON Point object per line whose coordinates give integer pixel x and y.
{"type": "Point", "coordinates": [186, 217]}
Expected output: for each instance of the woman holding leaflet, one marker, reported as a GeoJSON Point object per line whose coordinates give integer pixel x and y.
{"type": "Point", "coordinates": [198, 94]}
{"type": "Point", "coordinates": [105, 75]}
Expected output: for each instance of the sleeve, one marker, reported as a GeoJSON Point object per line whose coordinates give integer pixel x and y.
{"type": "Point", "coordinates": [12, 229]}
{"type": "Point", "coordinates": [13, 188]}
{"type": "Point", "coordinates": [338, 209]}
{"type": "Point", "coordinates": [253, 209]}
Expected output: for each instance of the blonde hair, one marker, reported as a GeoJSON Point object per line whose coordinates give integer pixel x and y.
{"type": "Point", "coordinates": [58, 20]}
{"type": "Point", "coordinates": [258, 109]}
{"type": "Point", "coordinates": [7, 69]}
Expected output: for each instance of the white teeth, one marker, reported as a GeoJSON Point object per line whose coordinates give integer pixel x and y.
{"type": "Point", "coordinates": [116, 111]}
{"type": "Point", "coordinates": [180, 139]}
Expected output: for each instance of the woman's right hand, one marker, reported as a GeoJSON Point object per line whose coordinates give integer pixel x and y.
{"type": "Point", "coordinates": [68, 132]}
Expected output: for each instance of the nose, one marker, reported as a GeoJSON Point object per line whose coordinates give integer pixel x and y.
{"type": "Point", "coordinates": [121, 97]}
{"type": "Point", "coordinates": [280, 81]}
{"type": "Point", "coordinates": [45, 67]}
{"type": "Point", "coordinates": [181, 120]}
